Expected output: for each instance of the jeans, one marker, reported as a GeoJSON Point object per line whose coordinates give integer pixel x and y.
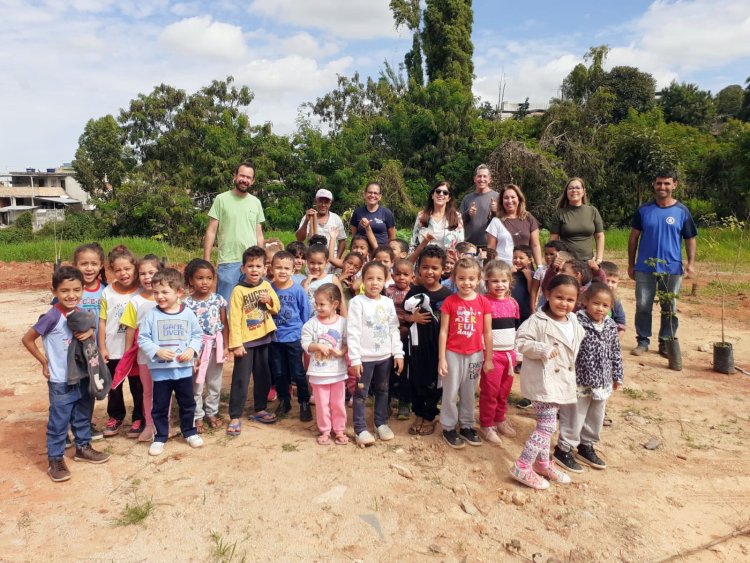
{"type": "Point", "coordinates": [255, 362]}
{"type": "Point", "coordinates": [377, 374]}
{"type": "Point", "coordinates": [646, 286]}
{"type": "Point", "coordinates": [183, 393]}
{"type": "Point", "coordinates": [285, 361]}
{"type": "Point", "coordinates": [68, 405]}
{"type": "Point", "coordinates": [229, 274]}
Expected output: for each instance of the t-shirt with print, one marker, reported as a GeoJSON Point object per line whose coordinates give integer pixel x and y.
{"type": "Point", "coordinates": [91, 301]}
{"type": "Point", "coordinates": [112, 307]}
{"type": "Point", "coordinates": [333, 222]}
{"type": "Point", "coordinates": [238, 217]}
{"type": "Point", "coordinates": [324, 370]}
{"type": "Point", "coordinates": [56, 338]}
{"type": "Point", "coordinates": [208, 312]}
{"type": "Point", "coordinates": [466, 326]}
{"type": "Point", "coordinates": [294, 312]}
{"type": "Point", "coordinates": [662, 231]}
{"type": "Point", "coordinates": [380, 221]}
{"type": "Point", "coordinates": [134, 313]}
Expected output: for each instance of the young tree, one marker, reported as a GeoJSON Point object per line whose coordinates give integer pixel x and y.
{"type": "Point", "coordinates": [687, 104]}
{"type": "Point", "coordinates": [101, 161]}
{"type": "Point", "coordinates": [728, 101]}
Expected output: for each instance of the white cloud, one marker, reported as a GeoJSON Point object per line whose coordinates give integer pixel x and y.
{"type": "Point", "coordinates": [292, 76]}
{"type": "Point", "coordinates": [353, 19]}
{"type": "Point", "coordinates": [202, 37]}
{"type": "Point", "coordinates": [304, 44]}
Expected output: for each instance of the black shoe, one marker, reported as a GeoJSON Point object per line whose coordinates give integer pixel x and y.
{"type": "Point", "coordinates": [470, 436]}
{"type": "Point", "coordinates": [283, 409]}
{"type": "Point", "coordinates": [566, 460]}
{"type": "Point", "coordinates": [96, 434]}
{"type": "Point", "coordinates": [305, 413]}
{"type": "Point", "coordinates": [588, 456]}
{"type": "Point", "coordinates": [452, 438]}
{"type": "Point", "coordinates": [523, 404]}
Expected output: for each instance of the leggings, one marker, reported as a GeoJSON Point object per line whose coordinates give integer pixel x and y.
{"type": "Point", "coordinates": [538, 444]}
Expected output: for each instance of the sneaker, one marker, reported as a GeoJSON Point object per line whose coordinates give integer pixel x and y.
{"type": "Point", "coordinates": [529, 478]}
{"type": "Point", "coordinates": [68, 442]}
{"type": "Point", "coordinates": [135, 429]}
{"type": "Point", "coordinates": [364, 438]}
{"type": "Point", "coordinates": [505, 428]}
{"type": "Point", "coordinates": [272, 395]}
{"type": "Point", "coordinates": [57, 470]}
{"type": "Point", "coordinates": [523, 404]}
{"type": "Point", "coordinates": [404, 411]}
{"type": "Point", "coordinates": [588, 456]}
{"type": "Point", "coordinates": [551, 473]}
{"type": "Point", "coordinates": [385, 433]}
{"type": "Point", "coordinates": [156, 448]}
{"type": "Point", "coordinates": [285, 406]}
{"type": "Point", "coordinates": [470, 436]}
{"type": "Point", "coordinates": [566, 460]}
{"type": "Point", "coordinates": [639, 350]}
{"type": "Point", "coordinates": [305, 413]}
{"type": "Point", "coordinates": [89, 454]}
{"type": "Point", "coordinates": [193, 441]}
{"type": "Point", "coordinates": [112, 428]}
{"type": "Point", "coordinates": [452, 438]}
{"type": "Point", "coordinates": [490, 435]}
{"type": "Point", "coordinates": [148, 434]}
{"type": "Point", "coordinates": [96, 434]}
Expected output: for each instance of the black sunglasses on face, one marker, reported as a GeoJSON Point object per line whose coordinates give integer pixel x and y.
{"type": "Point", "coordinates": [442, 192]}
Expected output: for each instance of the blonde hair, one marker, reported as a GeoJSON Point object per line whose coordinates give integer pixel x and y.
{"type": "Point", "coordinates": [467, 264]}
{"type": "Point", "coordinates": [521, 213]}
{"type": "Point", "coordinates": [563, 201]}
{"type": "Point", "coordinates": [496, 267]}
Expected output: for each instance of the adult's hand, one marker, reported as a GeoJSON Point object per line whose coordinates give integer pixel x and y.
{"type": "Point", "coordinates": [473, 209]}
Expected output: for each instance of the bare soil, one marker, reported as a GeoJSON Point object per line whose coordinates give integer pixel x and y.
{"type": "Point", "coordinates": [273, 493]}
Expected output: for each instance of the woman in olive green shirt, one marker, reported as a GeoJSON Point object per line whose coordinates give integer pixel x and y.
{"type": "Point", "coordinates": [577, 223]}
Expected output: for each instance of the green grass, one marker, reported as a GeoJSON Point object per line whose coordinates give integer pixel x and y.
{"type": "Point", "coordinates": [134, 513]}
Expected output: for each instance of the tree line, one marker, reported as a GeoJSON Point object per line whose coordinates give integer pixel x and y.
{"type": "Point", "coordinates": [155, 168]}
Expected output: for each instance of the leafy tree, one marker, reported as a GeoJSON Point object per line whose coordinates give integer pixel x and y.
{"type": "Point", "coordinates": [632, 89]}
{"type": "Point", "coordinates": [687, 104]}
{"type": "Point", "coordinates": [101, 161]}
{"type": "Point", "coordinates": [583, 81]}
{"type": "Point", "coordinates": [447, 41]}
{"type": "Point", "coordinates": [728, 101]}
{"type": "Point", "coordinates": [745, 112]}
{"type": "Point", "coordinates": [409, 14]}
{"type": "Point", "coordinates": [522, 111]}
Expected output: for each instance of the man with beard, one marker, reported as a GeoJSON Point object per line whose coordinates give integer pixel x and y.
{"type": "Point", "coordinates": [237, 217]}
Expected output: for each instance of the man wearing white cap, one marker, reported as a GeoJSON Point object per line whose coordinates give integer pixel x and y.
{"type": "Point", "coordinates": [325, 221]}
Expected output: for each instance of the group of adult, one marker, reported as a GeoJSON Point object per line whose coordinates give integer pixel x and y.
{"type": "Point", "coordinates": [497, 220]}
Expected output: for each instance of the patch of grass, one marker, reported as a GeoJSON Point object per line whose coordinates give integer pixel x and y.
{"type": "Point", "coordinates": [640, 395]}
{"type": "Point", "coordinates": [134, 513]}
{"type": "Point", "coordinates": [222, 551]}
{"type": "Point", "coordinates": [287, 447]}
{"type": "Point", "coordinates": [692, 443]}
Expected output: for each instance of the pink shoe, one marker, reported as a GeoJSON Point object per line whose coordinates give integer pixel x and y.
{"type": "Point", "coordinates": [529, 478]}
{"type": "Point", "coordinates": [506, 429]}
{"type": "Point", "coordinates": [552, 473]}
{"type": "Point", "coordinates": [272, 395]}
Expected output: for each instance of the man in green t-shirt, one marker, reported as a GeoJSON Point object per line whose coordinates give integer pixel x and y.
{"type": "Point", "coordinates": [237, 217]}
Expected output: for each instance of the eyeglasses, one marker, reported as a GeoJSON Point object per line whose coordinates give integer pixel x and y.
{"type": "Point", "coordinates": [442, 192]}
{"type": "Point", "coordinates": [372, 193]}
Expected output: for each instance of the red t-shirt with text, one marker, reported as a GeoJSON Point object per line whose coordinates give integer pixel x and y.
{"type": "Point", "coordinates": [466, 325]}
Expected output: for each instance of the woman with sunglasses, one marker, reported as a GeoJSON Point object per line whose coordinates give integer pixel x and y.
{"type": "Point", "coordinates": [577, 223]}
{"type": "Point", "coordinates": [519, 223]}
{"type": "Point", "coordinates": [437, 223]}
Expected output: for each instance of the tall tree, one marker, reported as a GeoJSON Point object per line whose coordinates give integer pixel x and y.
{"type": "Point", "coordinates": [583, 81]}
{"type": "Point", "coordinates": [408, 13]}
{"type": "Point", "coordinates": [687, 104]}
{"type": "Point", "coordinates": [745, 112]}
{"type": "Point", "coordinates": [101, 160]}
{"type": "Point", "coordinates": [447, 41]}
{"type": "Point", "coordinates": [728, 101]}
{"type": "Point", "coordinates": [632, 89]}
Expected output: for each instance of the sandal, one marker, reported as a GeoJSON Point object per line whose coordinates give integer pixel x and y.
{"type": "Point", "coordinates": [324, 440]}
{"type": "Point", "coordinates": [264, 417]}
{"type": "Point", "coordinates": [234, 428]}
{"type": "Point", "coordinates": [416, 427]}
{"type": "Point", "coordinates": [214, 422]}
{"type": "Point", "coordinates": [428, 427]}
{"type": "Point", "coordinates": [199, 426]}
{"type": "Point", "coordinates": [341, 439]}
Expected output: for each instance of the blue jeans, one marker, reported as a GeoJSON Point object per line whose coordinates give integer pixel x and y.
{"type": "Point", "coordinates": [183, 393]}
{"type": "Point", "coordinates": [377, 374]}
{"type": "Point", "coordinates": [646, 286]}
{"type": "Point", "coordinates": [285, 361]}
{"type": "Point", "coordinates": [68, 405]}
{"type": "Point", "coordinates": [229, 274]}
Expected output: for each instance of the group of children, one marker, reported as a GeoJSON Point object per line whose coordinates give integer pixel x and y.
{"type": "Point", "coordinates": [340, 330]}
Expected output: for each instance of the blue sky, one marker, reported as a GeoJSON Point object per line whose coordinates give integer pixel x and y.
{"type": "Point", "coordinates": [66, 61]}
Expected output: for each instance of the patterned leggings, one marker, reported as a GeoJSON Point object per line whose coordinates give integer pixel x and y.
{"type": "Point", "coordinates": [538, 444]}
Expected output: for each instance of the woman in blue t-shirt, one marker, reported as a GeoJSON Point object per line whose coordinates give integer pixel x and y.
{"type": "Point", "coordinates": [373, 221]}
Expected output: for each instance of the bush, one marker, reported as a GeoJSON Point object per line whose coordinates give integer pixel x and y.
{"type": "Point", "coordinates": [14, 235]}
{"type": "Point", "coordinates": [77, 226]}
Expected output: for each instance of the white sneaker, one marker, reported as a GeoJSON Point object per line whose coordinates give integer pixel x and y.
{"type": "Point", "coordinates": [552, 473]}
{"type": "Point", "coordinates": [364, 438]}
{"type": "Point", "coordinates": [194, 441]}
{"type": "Point", "coordinates": [385, 433]}
{"type": "Point", "coordinates": [156, 448]}
{"type": "Point", "coordinates": [490, 435]}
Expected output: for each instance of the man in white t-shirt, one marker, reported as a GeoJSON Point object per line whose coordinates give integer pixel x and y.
{"type": "Point", "coordinates": [325, 220]}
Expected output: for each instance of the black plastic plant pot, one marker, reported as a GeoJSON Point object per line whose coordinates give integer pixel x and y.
{"type": "Point", "coordinates": [674, 354]}
{"type": "Point", "coordinates": [723, 357]}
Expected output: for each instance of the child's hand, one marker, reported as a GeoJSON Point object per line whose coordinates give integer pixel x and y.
{"type": "Point", "coordinates": [45, 371]}
{"type": "Point", "coordinates": [105, 353]}
{"type": "Point", "coordinates": [552, 353]}
{"type": "Point", "coordinates": [364, 223]}
{"type": "Point", "coordinates": [164, 354]}
{"type": "Point", "coordinates": [226, 351]}
{"type": "Point", "coordinates": [593, 265]}
{"type": "Point", "coordinates": [488, 366]}
{"type": "Point", "coordinates": [186, 356]}
{"type": "Point", "coordinates": [357, 370]}
{"type": "Point", "coordinates": [333, 232]}
{"type": "Point", "coordinates": [325, 350]}
{"type": "Point", "coordinates": [264, 298]}
{"type": "Point", "coordinates": [616, 385]}
{"type": "Point", "coordinates": [336, 353]}
{"type": "Point", "coordinates": [429, 236]}
{"type": "Point", "coordinates": [442, 368]}
{"type": "Point", "coordinates": [239, 351]}
{"type": "Point", "coordinates": [421, 317]}
{"type": "Point", "coordinates": [398, 363]}
{"type": "Point", "coordinates": [82, 335]}
{"type": "Point", "coordinates": [558, 263]}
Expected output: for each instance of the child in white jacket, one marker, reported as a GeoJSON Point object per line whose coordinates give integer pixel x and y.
{"type": "Point", "coordinates": [374, 345]}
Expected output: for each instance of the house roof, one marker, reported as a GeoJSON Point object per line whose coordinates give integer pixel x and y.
{"type": "Point", "coordinates": [27, 191]}
{"type": "Point", "coordinates": [64, 200]}
{"type": "Point", "coordinates": [8, 208]}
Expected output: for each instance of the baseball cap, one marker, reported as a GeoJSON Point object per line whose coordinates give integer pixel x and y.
{"type": "Point", "coordinates": [324, 193]}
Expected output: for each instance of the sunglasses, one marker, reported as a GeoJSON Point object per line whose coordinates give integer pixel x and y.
{"type": "Point", "coordinates": [442, 192]}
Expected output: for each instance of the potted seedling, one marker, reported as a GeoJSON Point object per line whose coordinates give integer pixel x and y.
{"type": "Point", "coordinates": [667, 302]}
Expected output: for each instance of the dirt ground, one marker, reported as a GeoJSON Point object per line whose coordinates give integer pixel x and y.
{"type": "Point", "coordinates": [273, 493]}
